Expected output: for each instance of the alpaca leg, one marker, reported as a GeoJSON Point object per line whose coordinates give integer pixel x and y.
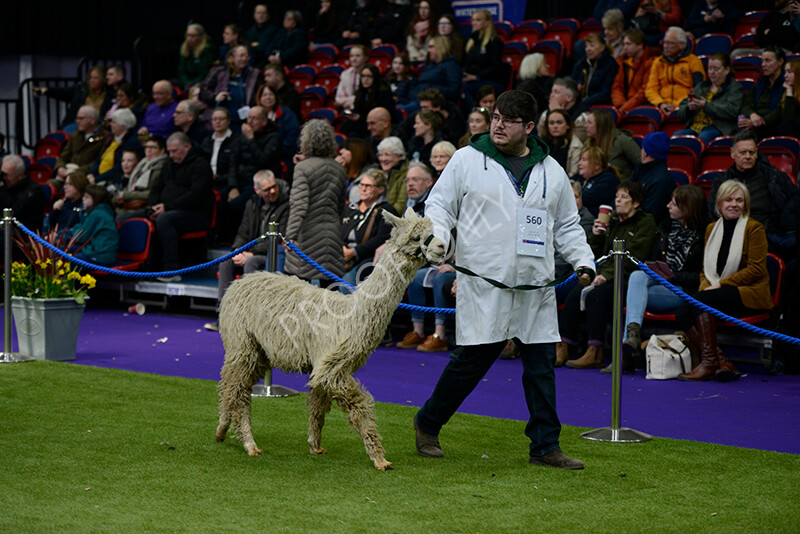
{"type": "Point", "coordinates": [319, 404]}
{"type": "Point", "coordinates": [240, 372]}
{"type": "Point", "coordinates": [358, 404]}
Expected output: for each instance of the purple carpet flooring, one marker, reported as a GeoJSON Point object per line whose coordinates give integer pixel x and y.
{"type": "Point", "coordinates": [759, 411]}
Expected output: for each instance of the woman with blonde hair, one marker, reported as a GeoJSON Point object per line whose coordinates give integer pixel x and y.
{"type": "Point", "coordinates": [622, 151]}
{"type": "Point", "coordinates": [733, 279]}
{"type": "Point", "coordinates": [599, 179]}
{"type": "Point", "coordinates": [594, 74]}
{"type": "Point", "coordinates": [483, 54]}
{"type": "Point", "coordinates": [196, 56]}
{"type": "Point", "coordinates": [440, 156]}
{"type": "Point", "coordinates": [441, 72]}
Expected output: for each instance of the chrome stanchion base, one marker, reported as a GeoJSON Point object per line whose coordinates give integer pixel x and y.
{"type": "Point", "coordinates": [616, 435]}
{"type": "Point", "coordinates": [266, 390]}
{"type": "Point", "coordinates": [14, 357]}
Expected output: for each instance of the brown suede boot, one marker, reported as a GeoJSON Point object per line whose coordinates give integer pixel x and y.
{"type": "Point", "coordinates": [706, 339]}
{"type": "Point", "coordinates": [562, 354]}
{"type": "Point", "coordinates": [591, 359]}
{"type": "Point", "coordinates": [727, 371]}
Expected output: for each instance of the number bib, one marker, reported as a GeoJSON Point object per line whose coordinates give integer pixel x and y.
{"type": "Point", "coordinates": [531, 232]}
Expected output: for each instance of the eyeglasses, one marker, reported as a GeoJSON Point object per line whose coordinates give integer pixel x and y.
{"type": "Point", "coordinates": [481, 110]}
{"type": "Point", "coordinates": [505, 122]}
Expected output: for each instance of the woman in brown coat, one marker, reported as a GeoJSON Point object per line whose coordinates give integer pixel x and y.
{"type": "Point", "coordinates": [734, 279]}
{"type": "Point", "coordinates": [318, 191]}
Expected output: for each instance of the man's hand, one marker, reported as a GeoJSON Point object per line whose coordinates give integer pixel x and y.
{"type": "Point", "coordinates": [247, 131]}
{"type": "Point", "coordinates": [142, 131]}
{"type": "Point", "coordinates": [58, 204]}
{"type": "Point", "coordinates": [61, 173]}
{"type": "Point", "coordinates": [232, 194]}
{"type": "Point", "coordinates": [434, 251]}
{"type": "Point", "coordinates": [242, 257]}
{"type": "Point", "coordinates": [158, 210]}
{"type": "Point", "coordinates": [223, 95]}
{"type": "Point", "coordinates": [756, 120]}
{"type": "Point", "coordinates": [599, 280]}
{"type": "Point", "coordinates": [585, 278]}
{"type": "Point", "coordinates": [349, 253]}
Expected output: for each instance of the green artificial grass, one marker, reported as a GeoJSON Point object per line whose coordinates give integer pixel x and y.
{"type": "Point", "coordinates": [86, 449]}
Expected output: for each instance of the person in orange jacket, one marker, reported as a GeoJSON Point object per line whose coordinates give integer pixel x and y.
{"type": "Point", "coordinates": [633, 72]}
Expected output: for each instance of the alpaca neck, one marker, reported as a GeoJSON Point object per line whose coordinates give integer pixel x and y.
{"type": "Point", "coordinates": [384, 288]}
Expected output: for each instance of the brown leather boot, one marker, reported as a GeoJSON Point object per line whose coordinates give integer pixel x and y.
{"type": "Point", "coordinates": [727, 371]}
{"type": "Point", "coordinates": [706, 339]}
{"type": "Point", "coordinates": [562, 354]}
{"type": "Point", "coordinates": [591, 359]}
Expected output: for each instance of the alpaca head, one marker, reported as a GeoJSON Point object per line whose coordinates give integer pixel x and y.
{"type": "Point", "coordinates": [409, 232]}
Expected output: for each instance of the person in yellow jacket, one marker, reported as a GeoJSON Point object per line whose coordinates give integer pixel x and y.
{"type": "Point", "coordinates": [674, 74]}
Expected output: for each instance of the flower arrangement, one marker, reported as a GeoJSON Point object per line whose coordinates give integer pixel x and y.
{"type": "Point", "coordinates": [47, 276]}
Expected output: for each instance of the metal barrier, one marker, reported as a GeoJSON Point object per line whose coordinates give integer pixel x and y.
{"type": "Point", "coordinates": [9, 110]}
{"type": "Point", "coordinates": [39, 115]}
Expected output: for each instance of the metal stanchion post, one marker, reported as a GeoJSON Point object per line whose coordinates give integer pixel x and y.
{"type": "Point", "coordinates": [267, 389]}
{"type": "Point", "coordinates": [615, 433]}
{"type": "Point", "coordinates": [7, 356]}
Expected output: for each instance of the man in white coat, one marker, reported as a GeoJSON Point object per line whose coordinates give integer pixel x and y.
{"type": "Point", "coordinates": [512, 206]}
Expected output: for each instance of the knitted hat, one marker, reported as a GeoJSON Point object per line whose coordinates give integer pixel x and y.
{"type": "Point", "coordinates": [656, 145]}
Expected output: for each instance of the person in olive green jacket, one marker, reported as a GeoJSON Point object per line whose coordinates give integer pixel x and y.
{"type": "Point", "coordinates": [638, 229]}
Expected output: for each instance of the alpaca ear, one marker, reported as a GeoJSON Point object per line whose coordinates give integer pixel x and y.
{"type": "Point", "coordinates": [394, 220]}
{"type": "Point", "coordinates": [410, 213]}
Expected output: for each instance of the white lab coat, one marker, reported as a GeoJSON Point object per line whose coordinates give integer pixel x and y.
{"type": "Point", "coordinates": [474, 195]}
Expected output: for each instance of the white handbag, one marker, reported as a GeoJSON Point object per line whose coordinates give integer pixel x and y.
{"type": "Point", "coordinates": [667, 357]}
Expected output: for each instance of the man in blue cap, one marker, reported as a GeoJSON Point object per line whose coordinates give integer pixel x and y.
{"type": "Point", "coordinates": [654, 176]}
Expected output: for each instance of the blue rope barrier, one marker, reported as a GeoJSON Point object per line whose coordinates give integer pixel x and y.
{"type": "Point", "coordinates": [134, 274]}
{"type": "Point", "coordinates": [716, 313]}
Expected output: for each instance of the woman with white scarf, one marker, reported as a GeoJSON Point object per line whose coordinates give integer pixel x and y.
{"type": "Point", "coordinates": [734, 279]}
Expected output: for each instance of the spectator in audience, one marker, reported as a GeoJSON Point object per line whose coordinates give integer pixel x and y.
{"type": "Point", "coordinates": [790, 121]}
{"type": "Point", "coordinates": [283, 118]}
{"type": "Point", "coordinates": [441, 72]}
{"type": "Point", "coordinates": [655, 17]}
{"type": "Point", "coordinates": [780, 27]}
{"type": "Point", "coordinates": [433, 99]}
{"type": "Point", "coordinates": [638, 229]}
{"type": "Point", "coordinates": [127, 98]}
{"type": "Point", "coordinates": [392, 159]}
{"type": "Point", "coordinates": [712, 107]}
{"type": "Point", "coordinates": [633, 71]}
{"type": "Point", "coordinates": [761, 106]}
{"type": "Point", "coordinates": [231, 85]}
{"type": "Point", "coordinates": [232, 35]}
{"type": "Point", "coordinates": [734, 280]}
{"type": "Point", "coordinates": [563, 95]}
{"type": "Point", "coordinates": [440, 155]}
{"type": "Point", "coordinates": [270, 203]}
{"type": "Point", "coordinates": [65, 212]}
{"type": "Point", "coordinates": [420, 31]}
{"type": "Point", "coordinates": [534, 77]}
{"type": "Point", "coordinates": [180, 200]}
{"type": "Point", "coordinates": [391, 21]}
{"type": "Point", "coordinates": [677, 256]}
{"type": "Point", "coordinates": [363, 227]}
{"type": "Point", "coordinates": [158, 115]}
{"type": "Point", "coordinates": [483, 55]}
{"type": "Point", "coordinates": [486, 97]}
{"type": "Point", "coordinates": [130, 159]}
{"type": "Point", "coordinates": [326, 25]}
{"type": "Point", "coordinates": [622, 151]}
{"type": "Point", "coordinates": [274, 77]}
{"type": "Point", "coordinates": [372, 92]}
{"type": "Point", "coordinates": [82, 148]}
{"type": "Point", "coordinates": [565, 146]}
{"type": "Point", "coordinates": [291, 42]}
{"type": "Point", "coordinates": [107, 167]}
{"type": "Point", "coordinates": [419, 183]}
{"type": "Point", "coordinates": [358, 23]}
{"type": "Point", "coordinates": [674, 74]}
{"type": "Point", "coordinates": [96, 234]}
{"type": "Point", "coordinates": [712, 16]}
{"type": "Point", "coordinates": [135, 195]}
{"type": "Point", "coordinates": [379, 126]}
{"type": "Point", "coordinates": [196, 56]}
{"type": "Point", "coordinates": [92, 93]}
{"type": "Point", "coordinates": [427, 132]}
{"type": "Point", "coordinates": [448, 27]}
{"type": "Point", "coordinates": [772, 202]}
{"type": "Point", "coordinates": [613, 22]}
{"type": "Point", "coordinates": [357, 157]}
{"type": "Point", "coordinates": [260, 35]}
{"type": "Point", "coordinates": [478, 121]}
{"type": "Point", "coordinates": [350, 78]}
{"type": "Point", "coordinates": [218, 148]}
{"type": "Point", "coordinates": [187, 120]}
{"type": "Point", "coordinates": [24, 197]}
{"type": "Point", "coordinates": [318, 192]}
{"type": "Point", "coordinates": [399, 76]}
{"type": "Point", "coordinates": [595, 73]}
{"type": "Point", "coordinates": [598, 178]}
{"type": "Point", "coordinates": [653, 175]}
{"type": "Point", "coordinates": [115, 77]}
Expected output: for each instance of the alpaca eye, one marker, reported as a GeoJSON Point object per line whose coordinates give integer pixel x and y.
{"type": "Point", "coordinates": [415, 238]}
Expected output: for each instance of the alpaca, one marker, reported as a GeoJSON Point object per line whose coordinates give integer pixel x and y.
{"type": "Point", "coordinates": [272, 321]}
